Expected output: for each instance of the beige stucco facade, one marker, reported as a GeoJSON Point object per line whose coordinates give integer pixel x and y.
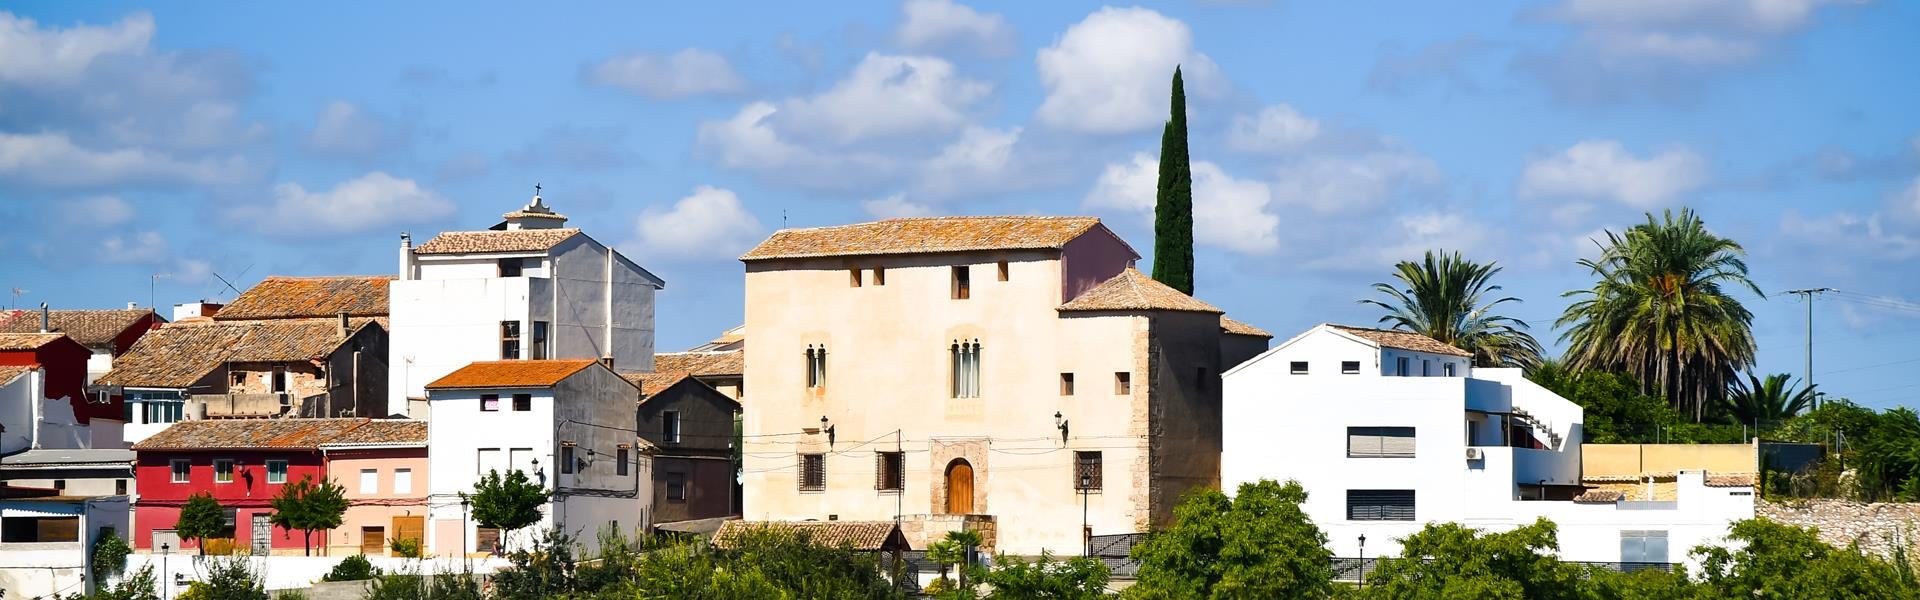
{"type": "Point", "coordinates": [1634, 460]}
{"type": "Point", "coordinates": [389, 503]}
{"type": "Point", "coordinates": [889, 387]}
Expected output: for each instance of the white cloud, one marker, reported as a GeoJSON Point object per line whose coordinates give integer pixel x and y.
{"type": "Point", "coordinates": [145, 247]}
{"type": "Point", "coordinates": [1234, 214]}
{"type": "Point", "coordinates": [886, 96]}
{"type": "Point", "coordinates": [749, 141]}
{"type": "Point", "coordinates": [1414, 234]}
{"type": "Point", "coordinates": [1110, 72]}
{"type": "Point", "coordinates": [1350, 183]}
{"type": "Point", "coordinates": [54, 160]}
{"type": "Point", "coordinates": [943, 24]}
{"type": "Point", "coordinates": [895, 206]}
{"type": "Point", "coordinates": [709, 224]}
{"type": "Point", "coordinates": [1867, 236]}
{"type": "Point", "coordinates": [1905, 204]}
{"type": "Point", "coordinates": [1760, 16]}
{"type": "Point", "coordinates": [34, 56]}
{"type": "Point", "coordinates": [684, 74]}
{"type": "Point", "coordinates": [980, 160]}
{"type": "Point", "coordinates": [345, 131]}
{"type": "Point", "coordinates": [1277, 127]}
{"type": "Point", "coordinates": [364, 203]}
{"type": "Point", "coordinates": [94, 212]}
{"type": "Point", "coordinates": [1604, 169]}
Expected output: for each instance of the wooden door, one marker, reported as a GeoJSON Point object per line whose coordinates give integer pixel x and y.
{"type": "Point", "coordinates": [410, 528]}
{"type": "Point", "coordinates": [959, 487]}
{"type": "Point", "coordinates": [373, 540]}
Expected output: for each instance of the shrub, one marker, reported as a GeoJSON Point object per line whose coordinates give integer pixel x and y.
{"type": "Point", "coordinates": [406, 547]}
{"type": "Point", "coordinates": [352, 568]}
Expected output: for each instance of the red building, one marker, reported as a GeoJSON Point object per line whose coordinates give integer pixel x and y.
{"type": "Point", "coordinates": [105, 333]}
{"type": "Point", "coordinates": [243, 464]}
{"type": "Point", "coordinates": [63, 360]}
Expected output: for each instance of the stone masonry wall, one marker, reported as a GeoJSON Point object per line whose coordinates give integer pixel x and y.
{"type": "Point", "coordinates": [922, 530]}
{"type": "Point", "coordinates": [1875, 526]}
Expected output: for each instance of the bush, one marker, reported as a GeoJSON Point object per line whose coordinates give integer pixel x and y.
{"type": "Point", "coordinates": [109, 556]}
{"type": "Point", "coordinates": [141, 585]}
{"type": "Point", "coordinates": [406, 547]}
{"type": "Point", "coordinates": [410, 584]}
{"type": "Point", "coordinates": [352, 568]}
{"type": "Point", "coordinates": [227, 579]}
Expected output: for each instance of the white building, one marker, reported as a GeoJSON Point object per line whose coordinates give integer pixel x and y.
{"type": "Point", "coordinates": [529, 288]}
{"type": "Point", "coordinates": [1389, 431]}
{"type": "Point", "coordinates": [568, 424]}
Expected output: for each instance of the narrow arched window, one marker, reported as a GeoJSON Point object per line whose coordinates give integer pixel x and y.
{"type": "Point", "coordinates": [965, 356]}
{"type": "Point", "coordinates": [816, 366]}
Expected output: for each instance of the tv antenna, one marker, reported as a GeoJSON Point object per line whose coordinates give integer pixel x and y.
{"type": "Point", "coordinates": [17, 293]}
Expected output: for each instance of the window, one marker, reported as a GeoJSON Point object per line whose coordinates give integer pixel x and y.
{"type": "Point", "coordinates": [889, 471]}
{"type": "Point", "coordinates": [239, 379]}
{"type": "Point", "coordinates": [1380, 442]}
{"type": "Point", "coordinates": [1349, 367]}
{"type": "Point", "coordinates": [512, 267]}
{"type": "Point", "coordinates": [962, 282]}
{"type": "Point", "coordinates": [566, 458]}
{"type": "Point", "coordinates": [182, 470]}
{"type": "Point", "coordinates": [879, 275]}
{"type": "Point", "coordinates": [276, 471]}
{"type": "Point", "coordinates": [1401, 366]}
{"type": "Point", "coordinates": [1298, 367]}
{"type": "Point", "coordinates": [369, 481]}
{"type": "Point", "coordinates": [1003, 270]}
{"type": "Point", "coordinates": [539, 340]}
{"type": "Point", "coordinates": [164, 412]}
{"type": "Point", "coordinates": [620, 460]}
{"type": "Point", "coordinates": [853, 278]}
{"type": "Point", "coordinates": [486, 539]}
{"type": "Point", "coordinates": [1380, 505]}
{"type": "Point", "coordinates": [59, 485]}
{"type": "Point", "coordinates": [1447, 369]}
{"type": "Point", "coordinates": [1087, 470]}
{"type": "Point", "coordinates": [813, 472]}
{"type": "Point", "coordinates": [223, 470]}
{"type": "Point", "coordinates": [677, 487]}
{"type": "Point", "coordinates": [488, 460]}
{"type": "Point", "coordinates": [670, 427]}
{"type": "Point", "coordinates": [816, 366]}
{"type": "Point", "coordinates": [119, 487]}
{"type": "Point", "coordinates": [403, 481]}
{"type": "Point", "coordinates": [966, 368]}
{"type": "Point", "coordinates": [1066, 384]}
{"type": "Point", "coordinates": [509, 340]}
{"type": "Point", "coordinates": [1122, 383]}
{"type": "Point", "coordinates": [522, 402]}
{"type": "Point", "coordinates": [1426, 368]}
{"type": "Point", "coordinates": [489, 402]}
{"type": "Point", "coordinates": [1643, 546]}
{"type": "Point", "coordinates": [279, 380]}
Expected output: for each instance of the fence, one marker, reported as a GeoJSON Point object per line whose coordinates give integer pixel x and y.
{"type": "Point", "coordinates": [1354, 569]}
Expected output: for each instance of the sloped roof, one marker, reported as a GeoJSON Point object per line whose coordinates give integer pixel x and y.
{"type": "Point", "coordinates": [923, 235]}
{"type": "Point", "coordinates": [9, 373]}
{"type": "Point", "coordinates": [27, 341]}
{"type": "Point", "coordinates": [510, 374]}
{"type": "Point", "coordinates": [655, 382]}
{"type": "Point", "coordinates": [89, 327]}
{"type": "Point", "coordinates": [1232, 327]}
{"type": "Point", "coordinates": [702, 364]}
{"type": "Point", "coordinates": [1599, 497]}
{"type": "Point", "coordinates": [390, 432]}
{"type": "Point", "coordinates": [1133, 290]}
{"type": "Point", "coordinates": [485, 242]}
{"type": "Point", "coordinates": [309, 297]}
{"type": "Point", "coordinates": [249, 433]}
{"type": "Point", "coordinates": [860, 535]}
{"type": "Point", "coordinates": [179, 354]}
{"type": "Point", "coordinates": [1404, 340]}
{"type": "Point", "coordinates": [1733, 480]}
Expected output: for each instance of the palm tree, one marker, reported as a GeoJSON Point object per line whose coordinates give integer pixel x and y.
{"type": "Point", "coordinates": [1769, 400]}
{"type": "Point", "coordinates": [1444, 298]}
{"type": "Point", "coordinates": [1661, 311]}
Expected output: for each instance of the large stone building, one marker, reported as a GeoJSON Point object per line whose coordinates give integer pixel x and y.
{"type": "Point", "coordinates": [986, 372]}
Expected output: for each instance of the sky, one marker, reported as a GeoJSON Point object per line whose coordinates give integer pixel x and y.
{"type": "Point", "coordinates": [153, 153]}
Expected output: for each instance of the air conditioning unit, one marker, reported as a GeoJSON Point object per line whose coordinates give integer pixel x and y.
{"type": "Point", "coordinates": [1475, 454]}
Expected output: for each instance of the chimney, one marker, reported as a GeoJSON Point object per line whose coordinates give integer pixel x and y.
{"type": "Point", "coordinates": [45, 321]}
{"type": "Point", "coordinates": [406, 256]}
{"type": "Point", "coordinates": [608, 361]}
{"type": "Point", "coordinates": [344, 325]}
{"type": "Point", "coordinates": [133, 305]}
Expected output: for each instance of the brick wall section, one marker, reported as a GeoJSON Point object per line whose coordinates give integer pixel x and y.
{"type": "Point", "coordinates": [1842, 522]}
{"type": "Point", "coordinates": [922, 530]}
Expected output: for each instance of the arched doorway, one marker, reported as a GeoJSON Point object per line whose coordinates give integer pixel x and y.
{"type": "Point", "coordinates": [959, 487]}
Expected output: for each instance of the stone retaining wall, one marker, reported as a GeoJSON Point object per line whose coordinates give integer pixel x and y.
{"type": "Point", "coordinates": [1875, 526]}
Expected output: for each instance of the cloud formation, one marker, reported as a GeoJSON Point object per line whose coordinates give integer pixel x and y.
{"type": "Point", "coordinates": [936, 25]}
{"type": "Point", "coordinates": [369, 202]}
{"type": "Point", "coordinates": [685, 74]}
{"type": "Point", "coordinates": [709, 224]}
{"type": "Point", "coordinates": [345, 131]}
{"type": "Point", "coordinates": [1228, 213]}
{"type": "Point", "coordinates": [1605, 170]}
{"type": "Point", "coordinates": [1109, 73]}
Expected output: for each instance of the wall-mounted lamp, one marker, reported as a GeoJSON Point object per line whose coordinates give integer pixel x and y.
{"type": "Point", "coordinates": [828, 428]}
{"type": "Point", "coordinates": [1060, 422]}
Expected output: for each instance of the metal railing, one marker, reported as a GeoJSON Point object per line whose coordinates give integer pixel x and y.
{"type": "Point", "coordinates": [1351, 569]}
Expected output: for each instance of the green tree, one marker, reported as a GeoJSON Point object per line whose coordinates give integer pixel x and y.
{"type": "Point", "coordinates": [352, 568]}
{"type": "Point", "coordinates": [1758, 402]}
{"type": "Point", "coordinates": [1258, 544]}
{"type": "Point", "coordinates": [308, 507]}
{"type": "Point", "coordinates": [1077, 578]}
{"type": "Point", "coordinates": [507, 503]}
{"type": "Point", "coordinates": [141, 585]}
{"type": "Point", "coordinates": [1662, 310]}
{"type": "Point", "coordinates": [109, 557]}
{"type": "Point", "coordinates": [1446, 297]}
{"type": "Point", "coordinates": [1173, 199]}
{"type": "Point", "coordinates": [1449, 560]}
{"type": "Point", "coordinates": [201, 518]}
{"type": "Point", "coordinates": [1776, 561]}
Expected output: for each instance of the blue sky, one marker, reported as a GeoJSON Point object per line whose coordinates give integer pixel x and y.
{"type": "Point", "coordinates": [1330, 140]}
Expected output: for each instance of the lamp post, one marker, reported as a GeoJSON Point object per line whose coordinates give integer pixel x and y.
{"type": "Point", "coordinates": [464, 503]}
{"type": "Point", "coordinates": [1086, 531]}
{"type": "Point", "coordinates": [165, 549]}
{"type": "Point", "coordinates": [1363, 560]}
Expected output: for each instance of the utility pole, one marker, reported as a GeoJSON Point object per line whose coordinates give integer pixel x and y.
{"type": "Point", "coordinates": [1808, 294]}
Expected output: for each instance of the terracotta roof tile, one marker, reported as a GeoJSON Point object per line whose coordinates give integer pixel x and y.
{"type": "Point", "coordinates": [923, 236]}
{"type": "Point", "coordinates": [249, 433]}
{"type": "Point", "coordinates": [1133, 290]}
{"type": "Point", "coordinates": [27, 341]}
{"type": "Point", "coordinates": [484, 242]}
{"type": "Point", "coordinates": [8, 373]}
{"type": "Point", "coordinates": [179, 354]}
{"type": "Point", "coordinates": [1735, 480]}
{"type": "Point", "coordinates": [860, 535]}
{"type": "Point", "coordinates": [702, 364]}
{"type": "Point", "coordinates": [1404, 340]}
{"type": "Point", "coordinates": [309, 297]}
{"type": "Point", "coordinates": [393, 432]}
{"type": "Point", "coordinates": [655, 382]}
{"type": "Point", "coordinates": [89, 327]}
{"type": "Point", "coordinates": [1232, 327]}
{"type": "Point", "coordinates": [510, 373]}
{"type": "Point", "coordinates": [1599, 497]}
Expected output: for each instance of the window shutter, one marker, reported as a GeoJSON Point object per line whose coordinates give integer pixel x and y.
{"type": "Point", "coordinates": [879, 471]}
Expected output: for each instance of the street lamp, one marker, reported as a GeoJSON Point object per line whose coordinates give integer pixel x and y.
{"type": "Point", "coordinates": [1086, 531]}
{"type": "Point", "coordinates": [464, 503]}
{"type": "Point", "coordinates": [1363, 560]}
{"type": "Point", "coordinates": [165, 549]}
{"type": "Point", "coordinates": [1060, 422]}
{"type": "Point", "coordinates": [827, 429]}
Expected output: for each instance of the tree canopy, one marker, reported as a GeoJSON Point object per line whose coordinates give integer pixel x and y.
{"type": "Point", "coordinates": [201, 518]}
{"type": "Point", "coordinates": [1257, 544]}
{"type": "Point", "coordinates": [1173, 199]}
{"type": "Point", "coordinates": [1448, 298]}
{"type": "Point", "coordinates": [507, 503]}
{"type": "Point", "coordinates": [308, 507]}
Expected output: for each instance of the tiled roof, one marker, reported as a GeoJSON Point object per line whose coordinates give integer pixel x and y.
{"type": "Point", "coordinates": [923, 236]}
{"type": "Point", "coordinates": [1599, 497]}
{"type": "Point", "coordinates": [307, 297]}
{"type": "Point", "coordinates": [1404, 340]}
{"type": "Point", "coordinates": [510, 374]}
{"type": "Point", "coordinates": [27, 341]}
{"type": "Point", "coordinates": [860, 535]}
{"type": "Point", "coordinates": [249, 433]}
{"type": "Point", "coordinates": [1735, 480]}
{"type": "Point", "coordinates": [179, 354]}
{"type": "Point", "coordinates": [483, 242]}
{"type": "Point", "coordinates": [89, 327]}
{"type": "Point", "coordinates": [1232, 327]}
{"type": "Point", "coordinates": [1133, 290]}
{"type": "Point", "coordinates": [391, 432]}
{"type": "Point", "coordinates": [702, 364]}
{"type": "Point", "coordinates": [526, 214]}
{"type": "Point", "coordinates": [8, 373]}
{"type": "Point", "coordinates": [655, 382]}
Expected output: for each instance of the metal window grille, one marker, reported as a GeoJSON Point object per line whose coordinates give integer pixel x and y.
{"type": "Point", "coordinates": [1087, 466]}
{"type": "Point", "coordinates": [1380, 505]}
{"type": "Point", "coordinates": [813, 471]}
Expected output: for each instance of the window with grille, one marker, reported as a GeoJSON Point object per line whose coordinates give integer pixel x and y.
{"type": "Point", "coordinates": [1087, 469]}
{"type": "Point", "coordinates": [813, 471]}
{"type": "Point", "coordinates": [962, 282]}
{"type": "Point", "coordinates": [677, 487]}
{"type": "Point", "coordinates": [509, 340]}
{"type": "Point", "coordinates": [1380, 442]}
{"type": "Point", "coordinates": [966, 368]}
{"type": "Point", "coordinates": [1380, 505]}
{"type": "Point", "coordinates": [816, 366]}
{"type": "Point", "coordinates": [889, 471]}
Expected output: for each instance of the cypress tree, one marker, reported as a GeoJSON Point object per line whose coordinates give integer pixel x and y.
{"type": "Point", "coordinates": [1173, 204]}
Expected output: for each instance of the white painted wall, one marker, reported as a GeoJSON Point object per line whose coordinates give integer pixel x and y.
{"type": "Point", "coordinates": [456, 434]}
{"type": "Point", "coordinates": [17, 401]}
{"type": "Point", "coordinates": [297, 572]}
{"type": "Point", "coordinates": [32, 570]}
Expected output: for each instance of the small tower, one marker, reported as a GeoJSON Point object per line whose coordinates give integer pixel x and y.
{"type": "Point", "coordinates": [535, 215]}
